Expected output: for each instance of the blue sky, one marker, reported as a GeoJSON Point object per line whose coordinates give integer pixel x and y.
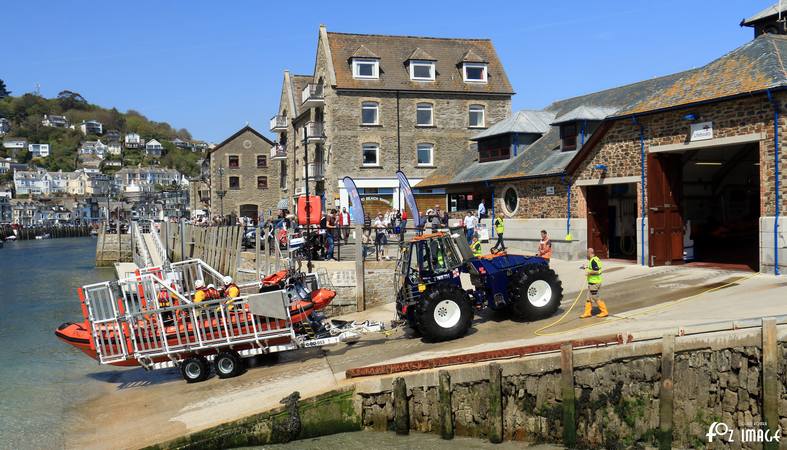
{"type": "Point", "coordinates": [212, 66]}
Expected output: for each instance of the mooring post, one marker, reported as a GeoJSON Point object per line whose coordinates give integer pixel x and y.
{"type": "Point", "coordinates": [666, 391]}
{"type": "Point", "coordinates": [360, 285]}
{"type": "Point", "coordinates": [567, 395]}
{"type": "Point", "coordinates": [495, 419]}
{"type": "Point", "coordinates": [401, 410]}
{"type": "Point", "coordinates": [444, 408]}
{"type": "Point", "coordinates": [770, 384]}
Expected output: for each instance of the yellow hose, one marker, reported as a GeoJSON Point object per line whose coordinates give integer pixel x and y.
{"type": "Point", "coordinates": [649, 310]}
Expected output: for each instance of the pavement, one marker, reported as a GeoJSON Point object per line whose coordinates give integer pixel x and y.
{"type": "Point", "coordinates": [640, 300]}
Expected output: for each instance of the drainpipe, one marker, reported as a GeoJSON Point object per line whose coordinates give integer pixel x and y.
{"type": "Point", "coordinates": [516, 143]}
{"type": "Point", "coordinates": [568, 206]}
{"type": "Point", "coordinates": [775, 104]}
{"type": "Point", "coordinates": [582, 133]}
{"type": "Point", "coordinates": [642, 188]}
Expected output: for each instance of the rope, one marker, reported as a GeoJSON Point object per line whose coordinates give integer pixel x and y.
{"type": "Point", "coordinates": [644, 311]}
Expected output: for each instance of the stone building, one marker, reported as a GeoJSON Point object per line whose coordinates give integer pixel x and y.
{"type": "Point", "coordinates": [243, 179]}
{"type": "Point", "coordinates": [703, 143]}
{"type": "Point", "coordinates": [377, 103]}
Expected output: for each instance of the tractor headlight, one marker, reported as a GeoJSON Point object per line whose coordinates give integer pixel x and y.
{"type": "Point", "coordinates": [421, 287]}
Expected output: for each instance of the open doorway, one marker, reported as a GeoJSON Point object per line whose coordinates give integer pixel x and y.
{"type": "Point", "coordinates": [612, 218]}
{"type": "Point", "coordinates": [721, 206]}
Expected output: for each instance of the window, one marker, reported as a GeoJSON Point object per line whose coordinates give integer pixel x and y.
{"type": "Point", "coordinates": [366, 68]}
{"type": "Point", "coordinates": [262, 161]}
{"type": "Point", "coordinates": [233, 161]}
{"type": "Point", "coordinates": [568, 136]}
{"type": "Point", "coordinates": [494, 149]}
{"type": "Point", "coordinates": [234, 183]}
{"type": "Point", "coordinates": [510, 200]}
{"type": "Point", "coordinates": [283, 174]}
{"type": "Point", "coordinates": [425, 154]}
{"type": "Point", "coordinates": [422, 70]}
{"type": "Point", "coordinates": [423, 115]}
{"type": "Point", "coordinates": [371, 155]}
{"type": "Point", "coordinates": [474, 72]}
{"type": "Point", "coordinates": [369, 112]}
{"type": "Point", "coordinates": [476, 119]}
{"type": "Point", "coordinates": [262, 182]}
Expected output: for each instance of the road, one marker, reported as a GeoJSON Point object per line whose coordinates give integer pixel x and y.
{"type": "Point", "coordinates": [162, 405]}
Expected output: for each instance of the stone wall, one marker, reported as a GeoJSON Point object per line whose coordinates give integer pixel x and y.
{"type": "Point", "coordinates": [112, 248]}
{"type": "Point", "coordinates": [617, 394]}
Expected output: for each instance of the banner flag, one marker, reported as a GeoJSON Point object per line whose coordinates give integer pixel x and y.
{"type": "Point", "coordinates": [404, 186]}
{"type": "Point", "coordinates": [356, 207]}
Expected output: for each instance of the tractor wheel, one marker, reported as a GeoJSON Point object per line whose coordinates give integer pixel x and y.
{"type": "Point", "coordinates": [195, 369]}
{"type": "Point", "coordinates": [228, 364]}
{"type": "Point", "coordinates": [535, 292]}
{"type": "Point", "coordinates": [444, 314]}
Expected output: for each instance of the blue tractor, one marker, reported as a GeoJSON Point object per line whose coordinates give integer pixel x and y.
{"type": "Point", "coordinates": [431, 298]}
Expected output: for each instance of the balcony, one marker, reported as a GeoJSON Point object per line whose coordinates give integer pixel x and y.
{"type": "Point", "coordinates": [278, 152]}
{"type": "Point", "coordinates": [278, 123]}
{"type": "Point", "coordinates": [314, 132]}
{"type": "Point", "coordinates": [311, 96]}
{"type": "Point", "coordinates": [316, 172]}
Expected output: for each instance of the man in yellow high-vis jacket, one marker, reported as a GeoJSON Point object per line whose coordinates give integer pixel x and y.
{"type": "Point", "coordinates": [593, 271]}
{"type": "Point", "coordinates": [500, 228]}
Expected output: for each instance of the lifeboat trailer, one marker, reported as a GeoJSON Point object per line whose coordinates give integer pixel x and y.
{"type": "Point", "coordinates": [126, 324]}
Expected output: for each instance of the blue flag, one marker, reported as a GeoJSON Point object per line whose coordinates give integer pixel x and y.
{"type": "Point", "coordinates": [404, 186]}
{"type": "Point", "coordinates": [356, 208]}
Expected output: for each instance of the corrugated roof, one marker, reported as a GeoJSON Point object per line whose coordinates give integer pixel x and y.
{"type": "Point", "coordinates": [525, 121]}
{"type": "Point", "coordinates": [394, 51]}
{"type": "Point", "coordinates": [765, 13]}
{"type": "Point", "coordinates": [586, 112]}
{"type": "Point", "coordinates": [755, 66]}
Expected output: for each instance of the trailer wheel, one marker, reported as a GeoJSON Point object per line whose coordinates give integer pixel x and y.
{"type": "Point", "coordinates": [195, 369]}
{"type": "Point", "coordinates": [444, 314]}
{"type": "Point", "coordinates": [535, 293]}
{"type": "Point", "coordinates": [228, 364]}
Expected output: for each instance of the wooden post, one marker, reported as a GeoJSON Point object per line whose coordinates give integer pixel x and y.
{"type": "Point", "coordinates": [567, 395]}
{"type": "Point", "coordinates": [360, 285]}
{"type": "Point", "coordinates": [666, 391]}
{"type": "Point", "coordinates": [444, 408]}
{"type": "Point", "coordinates": [401, 409]}
{"type": "Point", "coordinates": [770, 380]}
{"type": "Point", "coordinates": [257, 261]}
{"type": "Point", "coordinates": [495, 419]}
{"type": "Point", "coordinates": [182, 232]}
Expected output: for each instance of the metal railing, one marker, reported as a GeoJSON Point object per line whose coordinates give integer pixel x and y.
{"type": "Point", "coordinates": [278, 122]}
{"type": "Point", "coordinates": [314, 130]}
{"type": "Point", "coordinates": [316, 171]}
{"type": "Point", "coordinates": [311, 92]}
{"type": "Point", "coordinates": [140, 253]}
{"type": "Point", "coordinates": [278, 151]}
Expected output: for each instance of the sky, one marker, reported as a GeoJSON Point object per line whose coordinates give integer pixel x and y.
{"type": "Point", "coordinates": [213, 66]}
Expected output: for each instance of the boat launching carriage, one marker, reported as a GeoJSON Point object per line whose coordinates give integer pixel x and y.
{"type": "Point", "coordinates": [150, 320]}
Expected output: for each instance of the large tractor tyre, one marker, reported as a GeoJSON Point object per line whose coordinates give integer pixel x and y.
{"type": "Point", "coordinates": [195, 369]}
{"type": "Point", "coordinates": [228, 364]}
{"type": "Point", "coordinates": [535, 293]}
{"type": "Point", "coordinates": [444, 314]}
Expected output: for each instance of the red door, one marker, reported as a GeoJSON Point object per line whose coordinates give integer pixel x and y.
{"type": "Point", "coordinates": [665, 183]}
{"type": "Point", "coordinates": [598, 220]}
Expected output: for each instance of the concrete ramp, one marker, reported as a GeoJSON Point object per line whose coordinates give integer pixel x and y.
{"type": "Point", "coordinates": [156, 257]}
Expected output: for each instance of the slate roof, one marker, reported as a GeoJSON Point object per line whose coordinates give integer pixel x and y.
{"type": "Point", "coordinates": [394, 51]}
{"type": "Point", "coordinates": [297, 83]}
{"type": "Point", "coordinates": [525, 121]}
{"type": "Point", "coordinates": [764, 14]}
{"type": "Point", "coordinates": [584, 112]}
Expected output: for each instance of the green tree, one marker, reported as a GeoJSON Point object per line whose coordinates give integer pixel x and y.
{"type": "Point", "coordinates": [71, 100]}
{"type": "Point", "coordinates": [4, 92]}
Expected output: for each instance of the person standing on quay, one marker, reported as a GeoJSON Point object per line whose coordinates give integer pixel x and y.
{"type": "Point", "coordinates": [500, 228]}
{"type": "Point", "coordinates": [593, 274]}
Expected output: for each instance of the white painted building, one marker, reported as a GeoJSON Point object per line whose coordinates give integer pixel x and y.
{"type": "Point", "coordinates": [133, 140]}
{"type": "Point", "coordinates": [91, 127]}
{"type": "Point", "coordinates": [39, 150]}
{"type": "Point", "coordinates": [153, 148]}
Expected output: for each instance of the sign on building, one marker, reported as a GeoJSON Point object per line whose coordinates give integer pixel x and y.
{"type": "Point", "coordinates": [550, 190]}
{"type": "Point", "coordinates": [701, 131]}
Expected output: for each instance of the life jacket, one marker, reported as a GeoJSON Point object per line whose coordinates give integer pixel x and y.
{"type": "Point", "coordinates": [545, 248]}
{"type": "Point", "coordinates": [231, 290]}
{"type": "Point", "coordinates": [500, 227]}
{"type": "Point", "coordinates": [163, 299]}
{"type": "Point", "coordinates": [476, 247]}
{"type": "Point", "coordinates": [213, 294]}
{"type": "Point", "coordinates": [594, 278]}
{"type": "Point", "coordinates": [201, 295]}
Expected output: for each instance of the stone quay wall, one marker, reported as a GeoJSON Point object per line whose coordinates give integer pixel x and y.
{"type": "Point", "coordinates": [112, 248]}
{"type": "Point", "coordinates": [618, 397]}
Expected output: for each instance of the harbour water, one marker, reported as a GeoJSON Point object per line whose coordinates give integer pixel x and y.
{"type": "Point", "coordinates": [41, 377]}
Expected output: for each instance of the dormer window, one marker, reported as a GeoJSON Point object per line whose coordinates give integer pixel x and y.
{"type": "Point", "coordinates": [474, 72]}
{"type": "Point", "coordinates": [422, 70]}
{"type": "Point", "coordinates": [568, 136]}
{"type": "Point", "coordinates": [366, 68]}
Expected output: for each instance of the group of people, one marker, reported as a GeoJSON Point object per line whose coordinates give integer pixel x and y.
{"type": "Point", "coordinates": [210, 292]}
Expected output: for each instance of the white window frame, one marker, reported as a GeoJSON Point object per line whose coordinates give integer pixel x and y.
{"type": "Point", "coordinates": [415, 63]}
{"type": "Point", "coordinates": [465, 66]}
{"type": "Point", "coordinates": [375, 68]}
{"type": "Point", "coordinates": [431, 114]}
{"type": "Point", "coordinates": [367, 146]}
{"type": "Point", "coordinates": [418, 148]}
{"type": "Point", "coordinates": [476, 108]}
{"type": "Point", "coordinates": [368, 105]}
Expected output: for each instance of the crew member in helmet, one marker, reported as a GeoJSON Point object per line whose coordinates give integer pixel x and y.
{"type": "Point", "coordinates": [213, 293]}
{"type": "Point", "coordinates": [231, 289]}
{"type": "Point", "coordinates": [201, 293]}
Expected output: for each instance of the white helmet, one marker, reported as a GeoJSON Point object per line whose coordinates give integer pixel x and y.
{"type": "Point", "coordinates": [199, 284]}
{"type": "Point", "coordinates": [211, 286]}
{"type": "Point", "coordinates": [227, 279]}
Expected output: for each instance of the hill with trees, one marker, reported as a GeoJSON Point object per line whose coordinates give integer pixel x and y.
{"type": "Point", "coordinates": [26, 112]}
